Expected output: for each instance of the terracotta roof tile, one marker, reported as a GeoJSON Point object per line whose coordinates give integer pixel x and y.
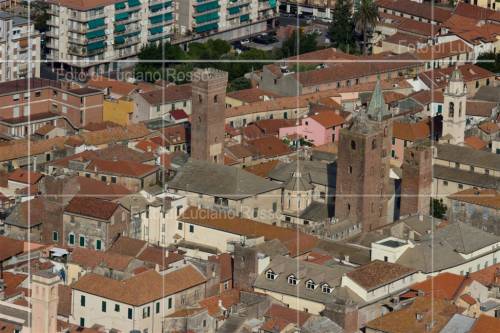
{"type": "Point", "coordinates": [25, 176]}
{"type": "Point", "coordinates": [443, 50]}
{"type": "Point", "coordinates": [489, 127]}
{"type": "Point", "coordinates": [128, 246]}
{"type": "Point", "coordinates": [10, 247]}
{"type": "Point", "coordinates": [484, 197]}
{"type": "Point", "coordinates": [226, 265]}
{"type": "Point", "coordinates": [487, 276]}
{"type": "Point", "coordinates": [252, 95]}
{"type": "Point", "coordinates": [430, 310]}
{"type": "Point", "coordinates": [262, 169]}
{"type": "Point", "coordinates": [296, 241]}
{"type": "Point", "coordinates": [92, 207]}
{"type": "Point", "coordinates": [90, 259]}
{"type": "Point", "coordinates": [411, 131]}
{"type": "Point", "coordinates": [142, 288]}
{"type": "Point", "coordinates": [378, 273]}
{"type": "Point", "coordinates": [424, 10]}
{"type": "Point", "coordinates": [486, 324]}
{"type": "Point", "coordinates": [446, 286]}
{"type": "Point", "coordinates": [227, 299]}
{"type": "Point", "coordinates": [328, 119]}
{"type": "Point", "coordinates": [468, 299]}
{"type": "Point", "coordinates": [168, 94]}
{"type": "Point", "coordinates": [269, 146]}
{"type": "Point", "coordinates": [475, 142]}
{"type": "Point", "coordinates": [119, 87]}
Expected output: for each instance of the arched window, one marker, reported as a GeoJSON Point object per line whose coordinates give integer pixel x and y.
{"type": "Point", "coordinates": [353, 145]}
{"type": "Point", "coordinates": [215, 98]}
{"type": "Point", "coordinates": [374, 144]}
{"type": "Point", "coordinates": [451, 110]}
{"type": "Point", "coordinates": [200, 98]}
{"type": "Point", "coordinates": [460, 109]}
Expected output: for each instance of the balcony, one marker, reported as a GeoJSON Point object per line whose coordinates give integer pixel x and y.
{"type": "Point", "coordinates": [206, 7]}
{"type": "Point", "coordinates": [121, 41]}
{"type": "Point", "coordinates": [88, 50]}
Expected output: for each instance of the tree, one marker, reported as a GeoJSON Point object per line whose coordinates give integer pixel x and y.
{"type": "Point", "coordinates": [39, 15]}
{"type": "Point", "coordinates": [342, 26]}
{"type": "Point", "coordinates": [489, 61]}
{"type": "Point", "coordinates": [438, 208]}
{"type": "Point", "coordinates": [365, 18]}
{"type": "Point", "coordinates": [240, 84]}
{"type": "Point", "coordinates": [302, 43]}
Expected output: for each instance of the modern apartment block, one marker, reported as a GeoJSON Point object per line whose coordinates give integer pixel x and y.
{"type": "Point", "coordinates": [19, 48]}
{"type": "Point", "coordinates": [228, 19]}
{"type": "Point", "coordinates": [87, 36]}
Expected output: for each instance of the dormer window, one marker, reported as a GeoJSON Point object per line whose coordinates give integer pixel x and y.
{"type": "Point", "coordinates": [325, 288]}
{"type": "Point", "coordinates": [310, 285]}
{"type": "Point", "coordinates": [270, 275]}
{"type": "Point", "coordinates": [292, 280]}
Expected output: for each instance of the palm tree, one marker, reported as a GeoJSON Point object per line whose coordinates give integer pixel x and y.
{"type": "Point", "coordinates": [366, 17]}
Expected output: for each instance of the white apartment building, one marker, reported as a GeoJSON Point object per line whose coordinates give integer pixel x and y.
{"type": "Point", "coordinates": [226, 19]}
{"type": "Point", "coordinates": [87, 36]}
{"type": "Point", "coordinates": [19, 48]}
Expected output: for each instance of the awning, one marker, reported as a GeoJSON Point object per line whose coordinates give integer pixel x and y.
{"type": "Point", "coordinates": [272, 3]}
{"type": "Point", "coordinates": [120, 5]}
{"type": "Point", "coordinates": [206, 27]}
{"type": "Point", "coordinates": [119, 28]}
{"type": "Point", "coordinates": [244, 18]}
{"type": "Point", "coordinates": [156, 19]}
{"type": "Point", "coordinates": [207, 17]}
{"type": "Point", "coordinates": [134, 3]}
{"type": "Point", "coordinates": [119, 40]}
{"type": "Point", "coordinates": [95, 46]}
{"type": "Point", "coordinates": [121, 16]}
{"type": "Point", "coordinates": [233, 10]}
{"type": "Point", "coordinates": [207, 6]}
{"type": "Point", "coordinates": [95, 34]}
{"type": "Point", "coordinates": [157, 7]}
{"type": "Point", "coordinates": [156, 30]}
{"type": "Point", "coordinates": [96, 23]}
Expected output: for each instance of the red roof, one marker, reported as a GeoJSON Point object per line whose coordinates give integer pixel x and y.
{"type": "Point", "coordinates": [227, 299]}
{"type": "Point", "coordinates": [328, 119]}
{"type": "Point", "coordinates": [286, 315]}
{"type": "Point", "coordinates": [25, 177]}
{"type": "Point", "coordinates": [445, 285]}
{"type": "Point", "coordinates": [92, 207]}
{"type": "Point", "coordinates": [122, 168]}
{"type": "Point", "coordinates": [487, 276]}
{"type": "Point", "coordinates": [468, 299]}
{"type": "Point", "coordinates": [10, 247]}
{"type": "Point", "coordinates": [12, 282]}
{"type": "Point", "coordinates": [226, 265]}
{"type": "Point", "coordinates": [486, 324]}
{"type": "Point", "coordinates": [147, 145]}
{"type": "Point", "coordinates": [475, 142]}
{"type": "Point", "coordinates": [178, 114]}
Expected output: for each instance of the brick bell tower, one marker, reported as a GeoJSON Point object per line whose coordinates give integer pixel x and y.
{"type": "Point", "coordinates": [207, 122]}
{"type": "Point", "coordinates": [416, 185]}
{"type": "Point", "coordinates": [363, 188]}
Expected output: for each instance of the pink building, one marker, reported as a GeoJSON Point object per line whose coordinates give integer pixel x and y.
{"type": "Point", "coordinates": [321, 128]}
{"type": "Point", "coordinates": [404, 135]}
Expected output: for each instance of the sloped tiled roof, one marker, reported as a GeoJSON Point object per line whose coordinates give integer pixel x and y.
{"type": "Point", "coordinates": [92, 207]}
{"type": "Point", "coordinates": [142, 288]}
